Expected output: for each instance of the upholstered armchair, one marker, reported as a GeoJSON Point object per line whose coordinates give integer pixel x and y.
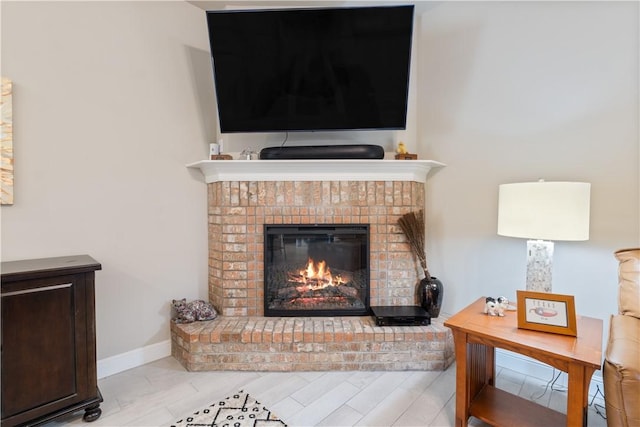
{"type": "Point", "coordinates": [621, 368]}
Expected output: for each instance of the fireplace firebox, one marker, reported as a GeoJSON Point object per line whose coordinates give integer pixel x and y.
{"type": "Point", "coordinates": [316, 270]}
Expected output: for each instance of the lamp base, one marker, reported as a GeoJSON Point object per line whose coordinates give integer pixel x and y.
{"type": "Point", "coordinates": [539, 263]}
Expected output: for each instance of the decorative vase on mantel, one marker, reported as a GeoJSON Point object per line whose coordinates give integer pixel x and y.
{"type": "Point", "coordinates": [430, 293]}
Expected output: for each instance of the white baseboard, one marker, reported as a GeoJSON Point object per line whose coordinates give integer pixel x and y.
{"type": "Point", "coordinates": [527, 366]}
{"type": "Point", "coordinates": [131, 359]}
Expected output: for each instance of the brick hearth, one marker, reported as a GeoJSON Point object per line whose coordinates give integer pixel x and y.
{"type": "Point", "coordinates": [310, 344]}
{"type": "Point", "coordinates": [242, 339]}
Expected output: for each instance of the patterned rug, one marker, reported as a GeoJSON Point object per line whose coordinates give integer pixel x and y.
{"type": "Point", "coordinates": [239, 410]}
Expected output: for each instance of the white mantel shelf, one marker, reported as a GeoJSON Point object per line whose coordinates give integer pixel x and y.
{"type": "Point", "coordinates": [315, 170]}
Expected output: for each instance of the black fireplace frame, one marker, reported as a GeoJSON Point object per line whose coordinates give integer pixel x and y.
{"type": "Point", "coordinates": [319, 229]}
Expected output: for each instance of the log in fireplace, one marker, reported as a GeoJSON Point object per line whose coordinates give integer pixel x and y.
{"type": "Point", "coordinates": [316, 270]}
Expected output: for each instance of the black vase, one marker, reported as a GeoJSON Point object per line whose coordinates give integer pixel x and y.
{"type": "Point", "coordinates": [430, 292]}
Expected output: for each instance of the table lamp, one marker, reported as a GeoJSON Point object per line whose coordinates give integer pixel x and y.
{"type": "Point", "coordinates": [541, 212]}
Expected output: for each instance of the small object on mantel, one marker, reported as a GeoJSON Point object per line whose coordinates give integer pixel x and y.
{"type": "Point", "coordinates": [403, 154]}
{"type": "Point", "coordinates": [406, 156]}
{"type": "Point", "coordinates": [221, 157]}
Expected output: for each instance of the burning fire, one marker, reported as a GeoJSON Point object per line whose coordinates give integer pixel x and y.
{"type": "Point", "coordinates": [316, 276]}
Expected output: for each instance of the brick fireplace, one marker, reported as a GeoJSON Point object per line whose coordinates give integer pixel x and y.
{"type": "Point", "coordinates": [238, 211]}
{"type": "Point", "coordinates": [242, 338]}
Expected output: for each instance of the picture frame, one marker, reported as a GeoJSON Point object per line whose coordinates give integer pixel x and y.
{"type": "Point", "coordinates": [547, 312]}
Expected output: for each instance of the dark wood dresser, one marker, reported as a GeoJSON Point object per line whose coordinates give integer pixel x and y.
{"type": "Point", "coordinates": [48, 339]}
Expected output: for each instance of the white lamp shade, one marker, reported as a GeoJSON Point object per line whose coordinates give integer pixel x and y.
{"type": "Point", "coordinates": [544, 210]}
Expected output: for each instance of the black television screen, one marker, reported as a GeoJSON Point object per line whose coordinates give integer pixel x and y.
{"type": "Point", "coordinates": [311, 69]}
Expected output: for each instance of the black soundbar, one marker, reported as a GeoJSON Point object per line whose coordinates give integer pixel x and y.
{"type": "Point", "coordinates": [355, 151]}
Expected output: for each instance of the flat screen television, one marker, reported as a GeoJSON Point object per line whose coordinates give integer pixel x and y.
{"type": "Point", "coordinates": [317, 69]}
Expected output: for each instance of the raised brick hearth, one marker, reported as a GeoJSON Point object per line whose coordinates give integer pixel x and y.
{"type": "Point", "coordinates": [242, 339]}
{"type": "Point", "coordinates": [310, 344]}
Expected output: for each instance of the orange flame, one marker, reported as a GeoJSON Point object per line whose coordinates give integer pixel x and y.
{"type": "Point", "coordinates": [317, 276]}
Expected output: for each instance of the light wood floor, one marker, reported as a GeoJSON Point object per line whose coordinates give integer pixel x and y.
{"type": "Point", "coordinates": [161, 392]}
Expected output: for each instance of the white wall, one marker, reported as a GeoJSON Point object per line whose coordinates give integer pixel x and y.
{"type": "Point", "coordinates": [517, 91]}
{"type": "Point", "coordinates": [111, 100]}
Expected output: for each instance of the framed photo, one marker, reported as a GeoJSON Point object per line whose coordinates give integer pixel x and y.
{"type": "Point", "coordinates": [542, 311]}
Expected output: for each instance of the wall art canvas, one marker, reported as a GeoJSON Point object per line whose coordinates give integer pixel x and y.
{"type": "Point", "coordinates": [6, 143]}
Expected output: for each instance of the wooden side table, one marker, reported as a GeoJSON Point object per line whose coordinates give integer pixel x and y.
{"type": "Point", "coordinates": [476, 337]}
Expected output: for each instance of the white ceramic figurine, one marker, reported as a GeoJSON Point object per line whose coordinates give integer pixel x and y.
{"type": "Point", "coordinates": [503, 305]}
{"type": "Point", "coordinates": [490, 306]}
